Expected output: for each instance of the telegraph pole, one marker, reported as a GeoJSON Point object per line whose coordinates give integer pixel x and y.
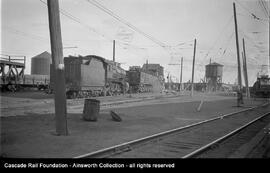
{"type": "Point", "coordinates": [245, 69]}
{"type": "Point", "coordinates": [240, 94]}
{"type": "Point", "coordinates": [243, 59]}
{"type": "Point", "coordinates": [169, 84]}
{"type": "Point", "coordinates": [58, 68]}
{"type": "Point", "coordinates": [192, 79]}
{"type": "Point", "coordinates": [113, 50]}
{"type": "Point", "coordinates": [181, 71]}
{"type": "Point", "coordinates": [181, 74]}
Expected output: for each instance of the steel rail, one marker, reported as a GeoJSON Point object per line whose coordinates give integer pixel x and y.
{"type": "Point", "coordinates": [223, 138]}
{"type": "Point", "coordinates": [127, 146]}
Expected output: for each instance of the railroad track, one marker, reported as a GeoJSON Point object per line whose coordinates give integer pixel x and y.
{"type": "Point", "coordinates": [226, 145]}
{"type": "Point", "coordinates": [189, 141]}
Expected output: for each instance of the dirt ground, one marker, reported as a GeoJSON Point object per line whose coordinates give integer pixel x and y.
{"type": "Point", "coordinates": [38, 102]}
{"type": "Point", "coordinates": [32, 135]}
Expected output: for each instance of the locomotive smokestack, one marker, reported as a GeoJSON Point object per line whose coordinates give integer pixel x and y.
{"type": "Point", "coordinates": [113, 50]}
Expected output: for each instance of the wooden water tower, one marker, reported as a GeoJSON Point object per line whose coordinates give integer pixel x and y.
{"type": "Point", "coordinates": [213, 75]}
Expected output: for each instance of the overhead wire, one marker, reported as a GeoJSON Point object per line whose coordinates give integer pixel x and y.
{"type": "Point", "coordinates": [219, 36]}
{"type": "Point", "coordinates": [108, 11]}
{"type": "Point", "coordinates": [97, 4]}
{"type": "Point", "coordinates": [77, 20]}
{"type": "Point", "coordinates": [255, 17]}
{"type": "Point", "coordinates": [25, 34]}
{"type": "Point", "coordinates": [226, 47]}
{"type": "Point", "coordinates": [251, 14]}
{"type": "Point", "coordinates": [249, 40]}
{"type": "Point", "coordinates": [118, 18]}
{"type": "Point", "coordinates": [264, 9]}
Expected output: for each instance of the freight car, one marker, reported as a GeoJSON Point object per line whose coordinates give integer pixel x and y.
{"type": "Point", "coordinates": [261, 87]}
{"type": "Point", "coordinates": [90, 76]}
{"type": "Point", "coordinates": [12, 77]}
{"type": "Point", "coordinates": [40, 82]}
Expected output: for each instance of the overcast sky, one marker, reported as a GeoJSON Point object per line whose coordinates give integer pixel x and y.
{"type": "Point", "coordinates": [172, 24]}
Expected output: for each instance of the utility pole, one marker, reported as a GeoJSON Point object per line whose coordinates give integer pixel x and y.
{"type": "Point", "coordinates": [239, 93]}
{"type": "Point", "coordinates": [58, 68]}
{"type": "Point", "coordinates": [113, 50]}
{"type": "Point", "coordinates": [168, 79]}
{"type": "Point", "coordinates": [181, 74]}
{"type": "Point", "coordinates": [192, 79]}
{"type": "Point", "coordinates": [243, 59]}
{"type": "Point", "coordinates": [245, 69]}
{"type": "Point", "coordinates": [170, 83]}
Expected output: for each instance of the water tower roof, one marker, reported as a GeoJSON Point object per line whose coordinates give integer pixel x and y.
{"type": "Point", "coordinates": [45, 55]}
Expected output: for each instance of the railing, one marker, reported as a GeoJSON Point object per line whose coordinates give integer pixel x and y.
{"type": "Point", "coordinates": [14, 58]}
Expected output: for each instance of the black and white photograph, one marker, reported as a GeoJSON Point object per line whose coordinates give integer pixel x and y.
{"type": "Point", "coordinates": [133, 84]}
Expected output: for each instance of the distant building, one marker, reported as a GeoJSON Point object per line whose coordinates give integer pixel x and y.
{"type": "Point", "coordinates": [40, 64]}
{"type": "Point", "coordinates": [133, 68]}
{"type": "Point", "coordinates": [154, 69]}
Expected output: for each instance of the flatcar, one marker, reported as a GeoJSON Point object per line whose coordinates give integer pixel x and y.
{"type": "Point", "coordinates": [40, 82]}
{"type": "Point", "coordinates": [12, 77]}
